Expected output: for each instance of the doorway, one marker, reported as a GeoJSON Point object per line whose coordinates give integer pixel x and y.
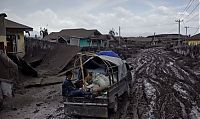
{"type": "Point", "coordinates": [11, 43]}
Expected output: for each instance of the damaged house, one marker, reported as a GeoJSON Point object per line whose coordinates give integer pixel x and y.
{"type": "Point", "coordinates": [79, 37]}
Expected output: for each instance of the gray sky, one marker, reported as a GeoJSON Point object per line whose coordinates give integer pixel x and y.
{"type": "Point", "coordinates": [136, 17]}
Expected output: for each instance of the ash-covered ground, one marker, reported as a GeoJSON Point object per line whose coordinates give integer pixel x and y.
{"type": "Point", "coordinates": [35, 103]}
{"type": "Point", "coordinates": [166, 86]}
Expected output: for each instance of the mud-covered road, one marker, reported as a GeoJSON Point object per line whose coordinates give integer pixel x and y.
{"type": "Point", "coordinates": [166, 86]}
{"type": "Point", "coordinates": [163, 88]}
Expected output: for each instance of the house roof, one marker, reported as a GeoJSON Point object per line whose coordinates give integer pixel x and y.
{"type": "Point", "coordinates": [79, 33]}
{"type": "Point", "coordinates": [14, 25]}
{"type": "Point", "coordinates": [83, 33]}
{"type": "Point", "coordinates": [52, 35]}
{"type": "Point", "coordinates": [195, 37]}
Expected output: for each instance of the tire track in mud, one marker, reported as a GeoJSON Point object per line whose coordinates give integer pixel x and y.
{"type": "Point", "coordinates": [162, 88]}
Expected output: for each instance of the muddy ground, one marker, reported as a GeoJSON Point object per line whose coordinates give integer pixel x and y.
{"type": "Point", "coordinates": [43, 102]}
{"type": "Point", "coordinates": [166, 86]}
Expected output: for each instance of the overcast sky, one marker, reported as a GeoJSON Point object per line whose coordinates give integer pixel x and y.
{"type": "Point", "coordinates": [136, 17]}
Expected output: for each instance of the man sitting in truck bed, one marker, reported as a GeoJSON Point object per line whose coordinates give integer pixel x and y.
{"type": "Point", "coordinates": [69, 89]}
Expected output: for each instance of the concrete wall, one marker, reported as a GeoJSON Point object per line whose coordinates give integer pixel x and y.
{"type": "Point", "coordinates": [74, 41]}
{"type": "Point", "coordinates": [3, 39]}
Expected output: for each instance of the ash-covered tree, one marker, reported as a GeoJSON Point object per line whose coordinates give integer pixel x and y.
{"type": "Point", "coordinates": [43, 32]}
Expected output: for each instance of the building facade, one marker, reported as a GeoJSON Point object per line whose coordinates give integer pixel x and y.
{"type": "Point", "coordinates": [194, 40]}
{"type": "Point", "coordinates": [12, 36]}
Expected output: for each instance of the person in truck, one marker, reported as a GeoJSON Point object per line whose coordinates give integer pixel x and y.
{"type": "Point", "coordinates": [70, 90]}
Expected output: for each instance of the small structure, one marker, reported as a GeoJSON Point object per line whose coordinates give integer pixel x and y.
{"type": "Point", "coordinates": [194, 40]}
{"type": "Point", "coordinates": [12, 36]}
{"type": "Point", "coordinates": [79, 37]}
{"type": "Point", "coordinates": [167, 38]}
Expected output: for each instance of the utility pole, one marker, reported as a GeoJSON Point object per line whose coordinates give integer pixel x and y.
{"type": "Point", "coordinates": [154, 38]}
{"type": "Point", "coordinates": [119, 35]}
{"type": "Point", "coordinates": [179, 29]}
{"type": "Point", "coordinates": [186, 28]}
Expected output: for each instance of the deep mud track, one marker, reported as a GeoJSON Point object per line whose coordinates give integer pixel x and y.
{"type": "Point", "coordinates": [163, 89]}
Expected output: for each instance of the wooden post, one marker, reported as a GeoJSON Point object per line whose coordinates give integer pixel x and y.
{"type": "Point", "coordinates": [81, 64]}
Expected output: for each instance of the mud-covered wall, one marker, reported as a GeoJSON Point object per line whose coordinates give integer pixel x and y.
{"type": "Point", "coordinates": [36, 49]}
{"type": "Point", "coordinates": [54, 56]}
{"type": "Point", "coordinates": [9, 69]}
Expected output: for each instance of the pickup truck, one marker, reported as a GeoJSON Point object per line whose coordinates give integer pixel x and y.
{"type": "Point", "coordinates": [105, 103]}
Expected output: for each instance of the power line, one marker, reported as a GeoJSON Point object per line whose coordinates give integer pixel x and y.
{"type": "Point", "coordinates": [191, 18]}
{"type": "Point", "coordinates": [196, 31]}
{"type": "Point", "coordinates": [193, 9]}
{"type": "Point", "coordinates": [187, 7]}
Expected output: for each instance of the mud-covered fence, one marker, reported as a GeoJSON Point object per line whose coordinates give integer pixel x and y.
{"type": "Point", "coordinates": [186, 50]}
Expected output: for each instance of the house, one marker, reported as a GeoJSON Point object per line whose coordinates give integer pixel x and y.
{"type": "Point", "coordinates": [79, 37]}
{"type": "Point", "coordinates": [12, 36]}
{"type": "Point", "coordinates": [194, 40]}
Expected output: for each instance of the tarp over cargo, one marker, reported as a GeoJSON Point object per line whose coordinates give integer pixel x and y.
{"type": "Point", "coordinates": [94, 61]}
